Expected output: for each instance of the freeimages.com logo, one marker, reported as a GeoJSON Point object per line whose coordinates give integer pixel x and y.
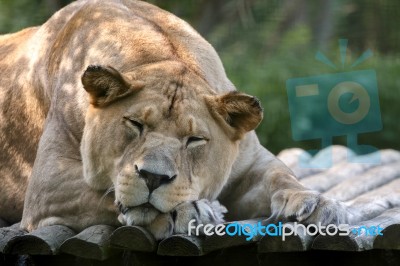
{"type": "Point", "coordinates": [329, 105]}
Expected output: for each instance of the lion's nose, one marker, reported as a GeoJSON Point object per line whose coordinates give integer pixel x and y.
{"type": "Point", "coordinates": [153, 181]}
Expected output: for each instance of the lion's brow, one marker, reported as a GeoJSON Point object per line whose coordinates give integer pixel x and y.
{"type": "Point", "coordinates": [173, 100]}
{"type": "Point", "coordinates": [191, 125]}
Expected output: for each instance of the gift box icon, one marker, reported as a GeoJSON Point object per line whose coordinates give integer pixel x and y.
{"type": "Point", "coordinates": [329, 105]}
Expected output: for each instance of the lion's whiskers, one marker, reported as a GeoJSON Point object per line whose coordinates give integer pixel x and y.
{"type": "Point", "coordinates": [108, 191]}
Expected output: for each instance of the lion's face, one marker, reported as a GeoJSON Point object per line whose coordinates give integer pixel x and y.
{"type": "Point", "coordinates": [160, 136]}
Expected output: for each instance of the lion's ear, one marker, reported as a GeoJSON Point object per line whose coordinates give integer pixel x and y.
{"type": "Point", "coordinates": [105, 85]}
{"type": "Point", "coordinates": [238, 112]}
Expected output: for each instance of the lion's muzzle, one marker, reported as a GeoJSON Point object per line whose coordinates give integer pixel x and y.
{"type": "Point", "coordinates": [154, 180]}
{"type": "Point", "coordinates": [153, 177]}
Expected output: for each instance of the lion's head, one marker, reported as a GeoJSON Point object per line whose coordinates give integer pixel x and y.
{"type": "Point", "coordinates": [160, 135]}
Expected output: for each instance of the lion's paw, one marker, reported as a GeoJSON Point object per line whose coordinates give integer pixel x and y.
{"type": "Point", "coordinates": [308, 207]}
{"type": "Point", "coordinates": [176, 222]}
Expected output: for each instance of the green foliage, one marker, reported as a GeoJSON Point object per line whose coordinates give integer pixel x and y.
{"type": "Point", "coordinates": [15, 15]}
{"type": "Point", "coordinates": [266, 78]}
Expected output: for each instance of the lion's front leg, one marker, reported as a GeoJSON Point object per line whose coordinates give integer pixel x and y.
{"type": "Point", "coordinates": [269, 189]}
{"type": "Point", "coordinates": [308, 207]}
{"type": "Point", "coordinates": [163, 225]}
{"type": "Point", "coordinates": [291, 201]}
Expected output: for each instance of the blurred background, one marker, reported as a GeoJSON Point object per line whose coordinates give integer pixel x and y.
{"type": "Point", "coordinates": [263, 43]}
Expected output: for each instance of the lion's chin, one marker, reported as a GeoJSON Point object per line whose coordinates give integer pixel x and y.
{"type": "Point", "coordinates": [141, 215]}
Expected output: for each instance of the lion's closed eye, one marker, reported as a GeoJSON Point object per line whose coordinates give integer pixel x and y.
{"type": "Point", "coordinates": [135, 124]}
{"type": "Point", "coordinates": [195, 141]}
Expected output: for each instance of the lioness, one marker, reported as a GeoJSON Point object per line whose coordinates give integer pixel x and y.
{"type": "Point", "coordinates": [119, 112]}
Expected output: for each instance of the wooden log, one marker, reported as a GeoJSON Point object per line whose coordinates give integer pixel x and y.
{"type": "Point", "coordinates": [305, 165]}
{"type": "Point", "coordinates": [333, 155]}
{"type": "Point", "coordinates": [345, 170]}
{"type": "Point", "coordinates": [185, 245]}
{"type": "Point", "coordinates": [181, 245]}
{"type": "Point", "coordinates": [367, 181]}
{"type": "Point", "coordinates": [43, 241]}
{"type": "Point", "coordinates": [291, 158]}
{"type": "Point", "coordinates": [217, 242]}
{"type": "Point", "coordinates": [363, 240]}
{"type": "Point", "coordinates": [299, 242]}
{"type": "Point", "coordinates": [91, 243]}
{"type": "Point", "coordinates": [8, 233]}
{"type": "Point", "coordinates": [390, 238]}
{"type": "Point", "coordinates": [133, 238]}
{"type": "Point", "coordinates": [375, 202]}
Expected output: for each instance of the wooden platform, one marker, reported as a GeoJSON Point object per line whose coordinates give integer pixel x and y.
{"type": "Point", "coordinates": [373, 189]}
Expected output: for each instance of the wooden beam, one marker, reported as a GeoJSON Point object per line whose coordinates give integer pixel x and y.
{"type": "Point", "coordinates": [298, 160]}
{"type": "Point", "coordinates": [299, 242]}
{"type": "Point", "coordinates": [358, 242]}
{"type": "Point", "coordinates": [184, 245]}
{"type": "Point", "coordinates": [291, 158]}
{"type": "Point", "coordinates": [133, 238]}
{"type": "Point", "coordinates": [367, 181]}
{"type": "Point", "coordinates": [390, 238]}
{"type": "Point", "coordinates": [345, 170]}
{"type": "Point", "coordinates": [303, 165]}
{"type": "Point", "coordinates": [375, 202]}
{"type": "Point", "coordinates": [181, 245]}
{"type": "Point", "coordinates": [216, 242]}
{"type": "Point", "coordinates": [43, 241]}
{"type": "Point", "coordinates": [333, 154]}
{"type": "Point", "coordinates": [91, 243]}
{"type": "Point", "coordinates": [8, 233]}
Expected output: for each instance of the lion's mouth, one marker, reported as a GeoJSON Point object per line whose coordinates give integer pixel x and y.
{"type": "Point", "coordinates": [124, 209]}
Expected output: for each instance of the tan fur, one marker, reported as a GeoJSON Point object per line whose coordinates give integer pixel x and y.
{"type": "Point", "coordinates": [121, 95]}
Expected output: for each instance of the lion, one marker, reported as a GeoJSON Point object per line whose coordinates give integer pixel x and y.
{"type": "Point", "coordinates": [118, 112]}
